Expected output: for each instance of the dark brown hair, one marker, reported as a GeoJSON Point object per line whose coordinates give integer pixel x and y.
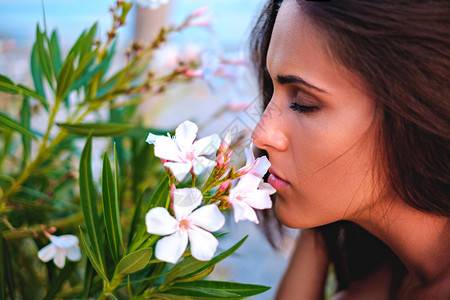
{"type": "Point", "coordinates": [401, 51]}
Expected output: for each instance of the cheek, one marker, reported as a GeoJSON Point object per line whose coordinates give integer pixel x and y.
{"type": "Point", "coordinates": [331, 173]}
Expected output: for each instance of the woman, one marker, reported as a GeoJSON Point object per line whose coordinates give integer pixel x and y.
{"type": "Point", "coordinates": [356, 128]}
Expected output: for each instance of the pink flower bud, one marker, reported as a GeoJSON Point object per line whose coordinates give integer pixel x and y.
{"type": "Point", "coordinates": [200, 11]}
{"type": "Point", "coordinates": [228, 155]}
{"type": "Point", "coordinates": [172, 191]}
{"type": "Point", "coordinates": [244, 170]}
{"type": "Point", "coordinates": [223, 187]}
{"type": "Point", "coordinates": [195, 73]}
{"type": "Point", "coordinates": [220, 160]}
{"type": "Point", "coordinates": [52, 229]}
{"type": "Point", "coordinates": [226, 142]}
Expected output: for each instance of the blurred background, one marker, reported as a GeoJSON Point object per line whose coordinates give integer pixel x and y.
{"type": "Point", "coordinates": [217, 105]}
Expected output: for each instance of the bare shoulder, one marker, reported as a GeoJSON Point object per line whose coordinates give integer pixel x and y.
{"type": "Point", "coordinates": [375, 286]}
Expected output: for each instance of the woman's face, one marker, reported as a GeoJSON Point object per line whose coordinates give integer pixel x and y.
{"type": "Point", "coordinates": [315, 128]}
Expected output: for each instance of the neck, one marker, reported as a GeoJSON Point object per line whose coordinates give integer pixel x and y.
{"type": "Point", "coordinates": [421, 241]}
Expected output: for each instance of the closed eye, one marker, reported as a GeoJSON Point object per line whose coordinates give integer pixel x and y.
{"type": "Point", "coordinates": [302, 108]}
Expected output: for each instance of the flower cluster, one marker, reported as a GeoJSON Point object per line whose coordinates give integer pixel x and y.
{"type": "Point", "coordinates": [194, 212]}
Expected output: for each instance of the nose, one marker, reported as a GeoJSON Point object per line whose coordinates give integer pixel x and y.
{"type": "Point", "coordinates": [269, 132]}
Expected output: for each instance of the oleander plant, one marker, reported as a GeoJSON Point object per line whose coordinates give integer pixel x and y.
{"type": "Point", "coordinates": [144, 222]}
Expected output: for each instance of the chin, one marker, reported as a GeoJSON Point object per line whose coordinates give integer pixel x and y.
{"type": "Point", "coordinates": [292, 217]}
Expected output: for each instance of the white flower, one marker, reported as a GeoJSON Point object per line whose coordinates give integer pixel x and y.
{"type": "Point", "coordinates": [182, 153]}
{"type": "Point", "coordinates": [59, 248]}
{"type": "Point", "coordinates": [151, 4]}
{"type": "Point", "coordinates": [187, 225]}
{"type": "Point", "coordinates": [251, 192]}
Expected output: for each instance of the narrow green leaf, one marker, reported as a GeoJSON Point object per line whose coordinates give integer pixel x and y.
{"type": "Point", "coordinates": [85, 77]}
{"type": "Point", "coordinates": [65, 77]}
{"type": "Point", "coordinates": [117, 199]}
{"type": "Point", "coordinates": [96, 129]}
{"type": "Point", "coordinates": [219, 289]}
{"type": "Point", "coordinates": [7, 86]}
{"type": "Point", "coordinates": [7, 122]}
{"type": "Point", "coordinates": [134, 262]}
{"type": "Point", "coordinates": [36, 71]}
{"type": "Point", "coordinates": [55, 52]}
{"type": "Point", "coordinates": [110, 295]}
{"type": "Point", "coordinates": [206, 265]}
{"type": "Point", "coordinates": [76, 47]}
{"type": "Point", "coordinates": [88, 42]}
{"type": "Point", "coordinates": [111, 210]}
{"type": "Point", "coordinates": [92, 258]}
{"type": "Point", "coordinates": [44, 58]}
{"type": "Point", "coordinates": [57, 283]}
{"type": "Point", "coordinates": [25, 121]}
{"type": "Point", "coordinates": [7, 284]}
{"type": "Point", "coordinates": [88, 280]}
{"type": "Point", "coordinates": [159, 198]}
{"type": "Point", "coordinates": [89, 204]}
{"type": "Point", "coordinates": [161, 296]}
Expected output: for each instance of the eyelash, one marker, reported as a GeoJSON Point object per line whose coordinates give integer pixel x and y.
{"type": "Point", "coordinates": [301, 108]}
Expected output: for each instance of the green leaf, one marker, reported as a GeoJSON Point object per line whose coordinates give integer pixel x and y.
{"type": "Point", "coordinates": [159, 198]}
{"type": "Point", "coordinates": [76, 47]}
{"type": "Point", "coordinates": [65, 77]}
{"type": "Point", "coordinates": [188, 270]}
{"type": "Point", "coordinates": [134, 262]}
{"type": "Point", "coordinates": [96, 264]}
{"type": "Point", "coordinates": [25, 120]}
{"type": "Point", "coordinates": [161, 296]}
{"type": "Point", "coordinates": [89, 205]}
{"type": "Point", "coordinates": [7, 284]}
{"type": "Point", "coordinates": [7, 86]}
{"type": "Point", "coordinates": [55, 52]}
{"type": "Point", "coordinates": [96, 129]}
{"type": "Point", "coordinates": [36, 71]}
{"type": "Point", "coordinates": [111, 210]}
{"type": "Point", "coordinates": [7, 122]}
{"type": "Point", "coordinates": [218, 289]}
{"type": "Point", "coordinates": [57, 283]}
{"type": "Point", "coordinates": [88, 41]}
{"type": "Point", "coordinates": [88, 280]}
{"type": "Point", "coordinates": [44, 58]}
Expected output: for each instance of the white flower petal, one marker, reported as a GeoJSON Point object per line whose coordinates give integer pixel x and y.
{"type": "Point", "coordinates": [201, 164]}
{"type": "Point", "coordinates": [208, 217]}
{"type": "Point", "coordinates": [185, 201]}
{"type": "Point", "coordinates": [243, 211]}
{"type": "Point", "coordinates": [160, 222]}
{"type": "Point", "coordinates": [203, 243]}
{"type": "Point", "coordinates": [166, 148]}
{"type": "Point", "coordinates": [185, 135]}
{"type": "Point", "coordinates": [262, 164]}
{"type": "Point", "coordinates": [248, 182]}
{"type": "Point", "coordinates": [259, 199]}
{"type": "Point", "coordinates": [60, 258]}
{"type": "Point", "coordinates": [179, 169]}
{"type": "Point", "coordinates": [207, 145]}
{"type": "Point", "coordinates": [172, 247]}
{"type": "Point", "coordinates": [264, 186]}
{"type": "Point", "coordinates": [73, 253]}
{"type": "Point", "coordinates": [64, 241]}
{"type": "Point", "coordinates": [47, 253]}
{"type": "Point", "coordinates": [249, 156]}
{"type": "Point", "coordinates": [151, 138]}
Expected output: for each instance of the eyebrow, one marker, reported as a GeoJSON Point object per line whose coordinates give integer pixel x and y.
{"type": "Point", "coordinates": [287, 79]}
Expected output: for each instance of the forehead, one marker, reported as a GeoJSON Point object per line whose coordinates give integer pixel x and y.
{"type": "Point", "coordinates": [295, 43]}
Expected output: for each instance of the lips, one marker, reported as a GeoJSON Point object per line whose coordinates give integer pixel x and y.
{"type": "Point", "coordinates": [276, 182]}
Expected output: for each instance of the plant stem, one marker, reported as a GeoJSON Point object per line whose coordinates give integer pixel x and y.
{"type": "Point", "coordinates": [22, 233]}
